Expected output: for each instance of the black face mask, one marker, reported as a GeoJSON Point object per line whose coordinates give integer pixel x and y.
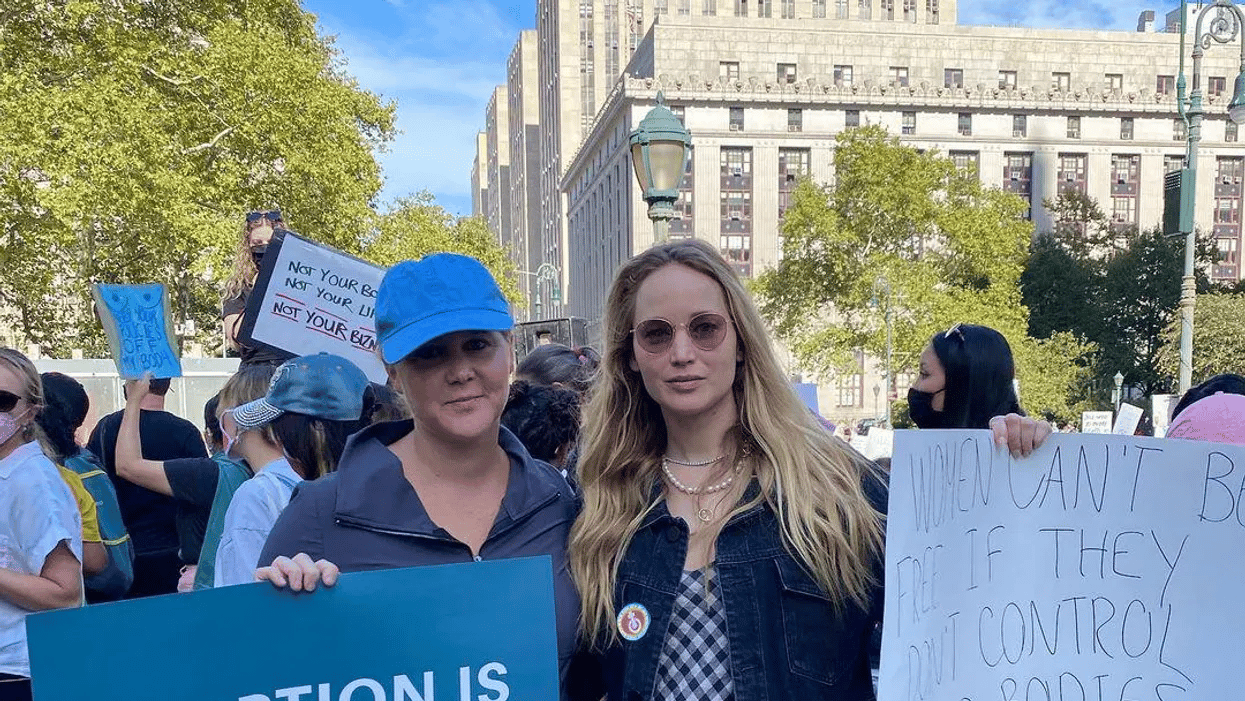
{"type": "Point", "coordinates": [257, 254]}
{"type": "Point", "coordinates": [921, 409]}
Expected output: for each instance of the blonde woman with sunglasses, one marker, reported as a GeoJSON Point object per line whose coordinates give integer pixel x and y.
{"type": "Point", "coordinates": [729, 547]}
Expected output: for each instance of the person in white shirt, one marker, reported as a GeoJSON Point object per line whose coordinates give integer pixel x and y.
{"type": "Point", "coordinates": [40, 527]}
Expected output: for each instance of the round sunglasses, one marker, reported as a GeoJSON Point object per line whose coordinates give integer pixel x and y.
{"type": "Point", "coordinates": [8, 400]}
{"type": "Point", "coordinates": [706, 330]}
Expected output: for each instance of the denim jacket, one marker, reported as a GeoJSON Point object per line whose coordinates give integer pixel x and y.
{"type": "Point", "coordinates": [786, 640]}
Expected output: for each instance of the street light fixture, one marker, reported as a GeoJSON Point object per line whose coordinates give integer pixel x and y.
{"type": "Point", "coordinates": [1118, 395]}
{"type": "Point", "coordinates": [546, 272]}
{"type": "Point", "coordinates": [659, 148]}
{"type": "Point", "coordinates": [1225, 26]}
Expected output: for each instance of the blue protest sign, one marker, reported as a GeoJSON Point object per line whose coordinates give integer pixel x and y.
{"type": "Point", "coordinates": [137, 321]}
{"type": "Point", "coordinates": [481, 631]}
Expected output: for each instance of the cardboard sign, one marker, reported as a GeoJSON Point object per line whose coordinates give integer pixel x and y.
{"type": "Point", "coordinates": [139, 327]}
{"type": "Point", "coordinates": [1161, 406]}
{"type": "Point", "coordinates": [1101, 567]}
{"type": "Point", "coordinates": [1127, 419]}
{"type": "Point", "coordinates": [480, 630]}
{"type": "Point", "coordinates": [310, 298]}
{"type": "Point", "coordinates": [1096, 421]}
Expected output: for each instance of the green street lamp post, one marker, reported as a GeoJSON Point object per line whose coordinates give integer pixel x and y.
{"type": "Point", "coordinates": [547, 272]}
{"type": "Point", "coordinates": [659, 148]}
{"type": "Point", "coordinates": [1225, 20]}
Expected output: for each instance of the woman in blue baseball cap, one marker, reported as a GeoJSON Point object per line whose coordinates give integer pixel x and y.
{"type": "Point", "coordinates": [450, 484]}
{"type": "Point", "coordinates": [313, 404]}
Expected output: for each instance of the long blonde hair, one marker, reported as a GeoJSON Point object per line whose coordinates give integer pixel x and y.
{"type": "Point", "coordinates": [25, 369]}
{"type": "Point", "coordinates": [811, 480]}
{"type": "Point", "coordinates": [243, 272]}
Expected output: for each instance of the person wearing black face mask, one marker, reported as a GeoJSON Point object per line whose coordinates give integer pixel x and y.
{"type": "Point", "coordinates": [252, 247]}
{"type": "Point", "coordinates": [966, 380]}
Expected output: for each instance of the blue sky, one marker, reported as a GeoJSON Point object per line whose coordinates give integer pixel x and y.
{"type": "Point", "coordinates": [440, 59]}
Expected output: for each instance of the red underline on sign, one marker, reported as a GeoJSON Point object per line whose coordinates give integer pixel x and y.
{"type": "Point", "coordinates": [288, 318]}
{"type": "Point", "coordinates": [330, 314]}
{"type": "Point", "coordinates": [295, 301]}
{"type": "Point", "coordinates": [330, 335]}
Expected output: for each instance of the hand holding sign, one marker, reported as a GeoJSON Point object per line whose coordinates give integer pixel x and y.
{"type": "Point", "coordinates": [137, 322]}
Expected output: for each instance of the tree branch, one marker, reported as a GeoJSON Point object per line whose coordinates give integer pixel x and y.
{"type": "Point", "coordinates": [171, 81]}
{"type": "Point", "coordinates": [210, 144]}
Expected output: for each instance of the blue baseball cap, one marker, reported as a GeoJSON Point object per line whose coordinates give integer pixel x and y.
{"type": "Point", "coordinates": [442, 293]}
{"type": "Point", "coordinates": [324, 386]}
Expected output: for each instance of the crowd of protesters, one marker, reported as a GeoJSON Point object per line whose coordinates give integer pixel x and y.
{"type": "Point", "coordinates": [663, 460]}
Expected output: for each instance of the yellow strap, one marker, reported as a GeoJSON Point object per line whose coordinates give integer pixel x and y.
{"type": "Point", "coordinates": [118, 541]}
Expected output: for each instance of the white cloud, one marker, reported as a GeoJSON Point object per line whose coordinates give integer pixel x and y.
{"type": "Point", "coordinates": [440, 67]}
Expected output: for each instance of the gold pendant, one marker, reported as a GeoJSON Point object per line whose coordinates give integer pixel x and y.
{"type": "Point", "coordinates": [705, 515]}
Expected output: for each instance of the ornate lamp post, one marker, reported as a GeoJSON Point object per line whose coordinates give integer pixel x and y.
{"type": "Point", "coordinates": [659, 148]}
{"type": "Point", "coordinates": [1224, 19]}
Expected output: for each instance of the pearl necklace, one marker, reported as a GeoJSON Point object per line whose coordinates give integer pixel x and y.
{"type": "Point", "coordinates": [704, 514]}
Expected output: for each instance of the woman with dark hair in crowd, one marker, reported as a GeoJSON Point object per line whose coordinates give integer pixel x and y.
{"type": "Point", "coordinates": [65, 406]}
{"type": "Point", "coordinates": [556, 364]}
{"type": "Point", "coordinates": [544, 418]}
{"type": "Point", "coordinates": [312, 406]}
{"type": "Point", "coordinates": [967, 380]}
{"type": "Point", "coordinates": [40, 529]}
{"type": "Point", "coordinates": [257, 231]}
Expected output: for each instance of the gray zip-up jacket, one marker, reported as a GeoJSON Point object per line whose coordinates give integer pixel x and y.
{"type": "Point", "coordinates": [366, 516]}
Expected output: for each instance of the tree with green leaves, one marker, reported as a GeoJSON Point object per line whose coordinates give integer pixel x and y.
{"type": "Point", "coordinates": [416, 226]}
{"type": "Point", "coordinates": [1218, 337]}
{"type": "Point", "coordinates": [137, 134]}
{"type": "Point", "coordinates": [948, 249]}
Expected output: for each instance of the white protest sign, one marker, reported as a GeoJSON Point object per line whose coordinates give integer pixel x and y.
{"type": "Point", "coordinates": [1127, 419]}
{"type": "Point", "coordinates": [314, 299]}
{"type": "Point", "coordinates": [1161, 406]}
{"type": "Point", "coordinates": [879, 443]}
{"type": "Point", "coordinates": [1101, 567]}
{"type": "Point", "coordinates": [1096, 421]}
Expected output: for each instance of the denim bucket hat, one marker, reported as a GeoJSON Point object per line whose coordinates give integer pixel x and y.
{"type": "Point", "coordinates": [322, 385]}
{"type": "Point", "coordinates": [435, 295]}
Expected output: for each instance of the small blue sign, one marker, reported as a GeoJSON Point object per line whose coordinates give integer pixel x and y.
{"type": "Point", "coordinates": [137, 321]}
{"type": "Point", "coordinates": [479, 630]}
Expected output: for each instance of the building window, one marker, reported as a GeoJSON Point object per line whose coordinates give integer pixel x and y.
{"type": "Point", "coordinates": [794, 164]}
{"type": "Point", "coordinates": [765, 8]}
{"type": "Point", "coordinates": [888, 10]}
{"type": "Point", "coordinates": [786, 73]}
{"type": "Point", "coordinates": [795, 119]}
{"type": "Point", "coordinates": [851, 390]}
{"type": "Point", "coordinates": [843, 76]}
{"type": "Point", "coordinates": [819, 9]}
{"type": "Point", "coordinates": [1115, 81]}
{"type": "Point", "coordinates": [1180, 130]}
{"type": "Point", "coordinates": [710, 7]}
{"type": "Point", "coordinates": [931, 11]}
{"type": "Point", "coordinates": [788, 9]}
{"type": "Point", "coordinates": [736, 162]}
{"type": "Point", "coordinates": [1018, 178]}
{"type": "Point", "coordinates": [728, 70]}
{"type": "Point", "coordinates": [967, 162]}
{"type": "Point", "coordinates": [1007, 80]}
{"type": "Point", "coordinates": [899, 76]}
{"type": "Point", "coordinates": [909, 123]}
{"type": "Point", "coordinates": [1123, 211]}
{"type": "Point", "coordinates": [953, 77]}
{"type": "Point", "coordinates": [1126, 128]}
{"type": "Point", "coordinates": [737, 119]}
{"type": "Point", "coordinates": [1172, 164]}
{"type": "Point", "coordinates": [852, 118]}
{"type": "Point", "coordinates": [909, 11]}
{"type": "Point", "coordinates": [840, 9]}
{"type": "Point", "coordinates": [1165, 85]}
{"type": "Point", "coordinates": [1020, 126]}
{"type": "Point", "coordinates": [661, 7]}
{"type": "Point", "coordinates": [1074, 127]}
{"type": "Point", "coordinates": [1072, 176]}
{"type": "Point", "coordinates": [1215, 85]}
{"type": "Point", "coordinates": [1061, 82]}
{"type": "Point", "coordinates": [741, 8]}
{"type": "Point", "coordinates": [865, 9]}
{"type": "Point", "coordinates": [685, 225]}
{"type": "Point", "coordinates": [1229, 131]}
{"type": "Point", "coordinates": [685, 7]}
{"type": "Point", "coordinates": [965, 124]}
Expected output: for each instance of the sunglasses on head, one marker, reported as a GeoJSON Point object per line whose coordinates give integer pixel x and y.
{"type": "Point", "coordinates": [270, 215]}
{"type": "Point", "coordinates": [706, 330]}
{"type": "Point", "coordinates": [8, 400]}
{"type": "Point", "coordinates": [954, 331]}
